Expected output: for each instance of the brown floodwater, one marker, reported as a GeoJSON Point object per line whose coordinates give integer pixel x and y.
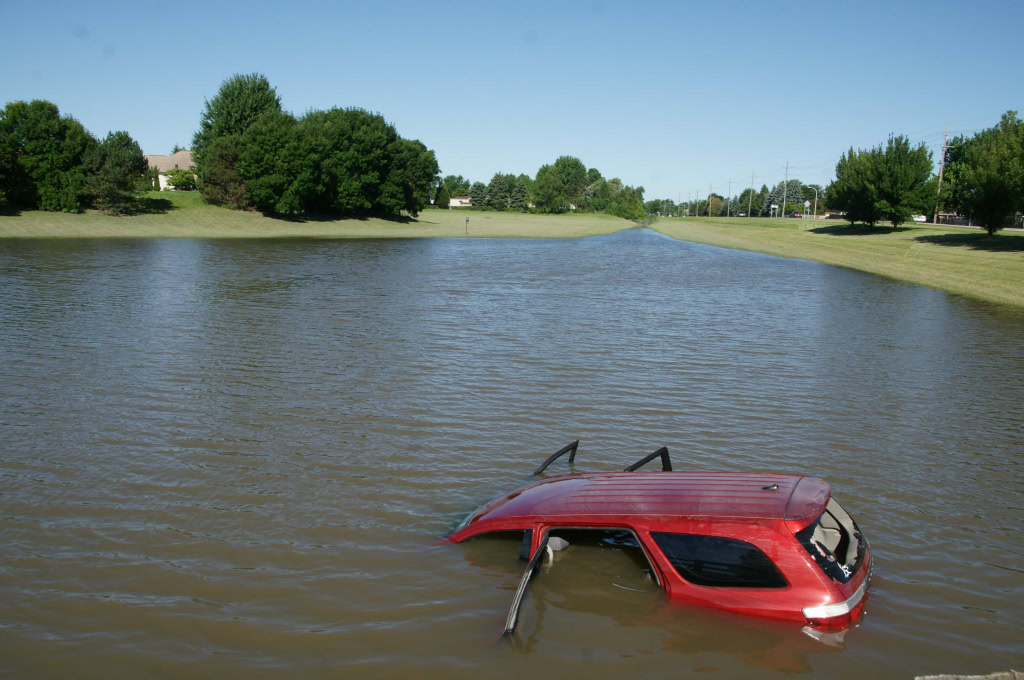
{"type": "Point", "coordinates": [238, 458]}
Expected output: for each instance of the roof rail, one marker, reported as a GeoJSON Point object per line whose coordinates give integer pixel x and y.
{"type": "Point", "coordinates": [666, 462]}
{"type": "Point", "coordinates": [551, 459]}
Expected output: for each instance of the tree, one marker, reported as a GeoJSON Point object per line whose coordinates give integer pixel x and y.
{"type": "Point", "coordinates": [987, 173]}
{"type": "Point", "coordinates": [715, 204]}
{"type": "Point", "coordinates": [498, 192]}
{"type": "Point", "coordinates": [456, 185]}
{"type": "Point", "coordinates": [549, 191]}
{"type": "Point", "coordinates": [746, 203]}
{"type": "Point", "coordinates": [443, 199]}
{"type": "Point", "coordinates": [852, 191]}
{"type": "Point", "coordinates": [412, 170]}
{"type": "Point", "coordinates": [182, 179]}
{"type": "Point", "coordinates": [519, 194]}
{"type": "Point", "coordinates": [241, 100]}
{"type": "Point", "coordinates": [899, 176]}
{"type": "Point", "coordinates": [573, 176]}
{"type": "Point", "coordinates": [220, 182]}
{"type": "Point", "coordinates": [478, 194]}
{"type": "Point", "coordinates": [45, 157]}
{"type": "Point", "coordinates": [115, 167]}
{"type": "Point", "coordinates": [762, 206]}
{"type": "Point", "coordinates": [270, 159]}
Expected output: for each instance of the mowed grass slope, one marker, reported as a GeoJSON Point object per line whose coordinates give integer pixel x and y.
{"type": "Point", "coordinates": [184, 215]}
{"type": "Point", "coordinates": [954, 259]}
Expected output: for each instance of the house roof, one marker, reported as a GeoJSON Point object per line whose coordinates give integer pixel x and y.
{"type": "Point", "coordinates": [180, 159]}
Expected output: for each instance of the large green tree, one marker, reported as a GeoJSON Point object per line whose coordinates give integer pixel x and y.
{"type": "Point", "coordinates": [549, 191]}
{"type": "Point", "coordinates": [852, 192]}
{"type": "Point", "coordinates": [899, 178]}
{"type": "Point", "coordinates": [270, 160]}
{"type": "Point", "coordinates": [45, 157]}
{"type": "Point", "coordinates": [985, 174]}
{"type": "Point", "coordinates": [241, 100]}
{"type": "Point", "coordinates": [572, 174]}
{"type": "Point", "coordinates": [115, 167]}
{"type": "Point", "coordinates": [339, 161]}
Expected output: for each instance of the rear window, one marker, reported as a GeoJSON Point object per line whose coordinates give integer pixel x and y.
{"type": "Point", "coordinates": [835, 542]}
{"type": "Point", "coordinates": [719, 562]}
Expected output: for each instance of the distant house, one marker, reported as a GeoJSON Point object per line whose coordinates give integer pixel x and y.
{"type": "Point", "coordinates": [459, 202]}
{"type": "Point", "coordinates": [178, 159]}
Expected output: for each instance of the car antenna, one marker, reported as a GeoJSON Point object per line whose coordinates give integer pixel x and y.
{"type": "Point", "coordinates": [666, 462]}
{"type": "Point", "coordinates": [551, 459]}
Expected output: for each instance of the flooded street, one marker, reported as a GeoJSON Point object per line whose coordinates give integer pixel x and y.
{"type": "Point", "coordinates": [238, 458]}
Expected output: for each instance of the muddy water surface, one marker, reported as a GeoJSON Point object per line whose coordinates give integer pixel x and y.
{"type": "Point", "coordinates": [222, 458]}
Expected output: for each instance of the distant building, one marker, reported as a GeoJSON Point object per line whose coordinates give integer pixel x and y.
{"type": "Point", "coordinates": [179, 159]}
{"type": "Point", "coordinates": [459, 202]}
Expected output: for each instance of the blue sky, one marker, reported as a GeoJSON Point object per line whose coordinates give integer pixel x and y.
{"type": "Point", "coordinates": [672, 96]}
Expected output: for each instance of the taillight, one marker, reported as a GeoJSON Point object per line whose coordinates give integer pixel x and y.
{"type": "Point", "coordinates": [832, 621]}
{"type": "Point", "coordinates": [838, 615]}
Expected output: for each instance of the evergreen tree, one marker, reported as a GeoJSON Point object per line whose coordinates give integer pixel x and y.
{"type": "Point", "coordinates": [519, 194]}
{"type": "Point", "coordinates": [115, 167]}
{"type": "Point", "coordinates": [443, 199]}
{"type": "Point", "coordinates": [762, 206]}
{"type": "Point", "coordinates": [498, 192]}
{"type": "Point", "coordinates": [478, 194]}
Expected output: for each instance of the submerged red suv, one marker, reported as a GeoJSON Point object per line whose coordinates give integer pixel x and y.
{"type": "Point", "coordinates": [774, 545]}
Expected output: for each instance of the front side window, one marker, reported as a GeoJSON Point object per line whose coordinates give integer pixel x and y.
{"type": "Point", "coordinates": [717, 561]}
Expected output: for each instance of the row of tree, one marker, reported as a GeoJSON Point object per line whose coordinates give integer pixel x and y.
{"type": "Point", "coordinates": [564, 185]}
{"type": "Point", "coordinates": [982, 179]}
{"type": "Point", "coordinates": [51, 162]}
{"type": "Point", "coordinates": [788, 197]}
{"type": "Point", "coordinates": [249, 153]}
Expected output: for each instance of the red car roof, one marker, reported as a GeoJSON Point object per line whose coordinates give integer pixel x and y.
{"type": "Point", "coordinates": [664, 494]}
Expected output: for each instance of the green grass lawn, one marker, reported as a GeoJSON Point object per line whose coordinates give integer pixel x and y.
{"type": "Point", "coordinates": [172, 214]}
{"type": "Point", "coordinates": [955, 259]}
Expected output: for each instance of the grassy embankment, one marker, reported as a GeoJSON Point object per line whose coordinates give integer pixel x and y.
{"type": "Point", "coordinates": [954, 259]}
{"type": "Point", "coordinates": [184, 215]}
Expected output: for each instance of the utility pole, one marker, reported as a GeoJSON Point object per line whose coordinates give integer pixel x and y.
{"type": "Point", "coordinates": [785, 188]}
{"type": "Point", "coordinates": [728, 198]}
{"type": "Point", "coordinates": [750, 198]}
{"type": "Point", "coordinates": [709, 200]}
{"type": "Point", "coordinates": [942, 166]}
{"type": "Point", "coordinates": [688, 203]}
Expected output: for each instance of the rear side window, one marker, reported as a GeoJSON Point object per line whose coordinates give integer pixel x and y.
{"type": "Point", "coordinates": [719, 562]}
{"type": "Point", "coordinates": [835, 542]}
